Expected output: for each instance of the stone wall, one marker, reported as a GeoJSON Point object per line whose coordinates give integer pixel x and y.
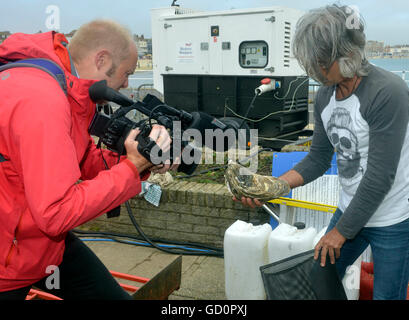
{"type": "Point", "coordinates": [188, 212]}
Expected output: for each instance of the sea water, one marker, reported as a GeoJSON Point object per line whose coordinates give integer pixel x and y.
{"type": "Point", "coordinates": [399, 66]}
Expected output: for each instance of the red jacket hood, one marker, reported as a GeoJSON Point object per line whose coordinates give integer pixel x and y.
{"type": "Point", "coordinates": [22, 46]}
{"type": "Point", "coordinates": [49, 45]}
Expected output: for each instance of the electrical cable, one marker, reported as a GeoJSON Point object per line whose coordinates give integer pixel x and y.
{"type": "Point", "coordinates": [122, 235]}
{"type": "Point", "coordinates": [140, 243]}
{"type": "Point", "coordinates": [182, 250]}
{"type": "Point", "coordinates": [138, 228]}
{"type": "Point", "coordinates": [248, 110]}
{"type": "Point", "coordinates": [288, 91]}
{"type": "Point", "coordinates": [84, 235]}
{"type": "Point", "coordinates": [272, 113]}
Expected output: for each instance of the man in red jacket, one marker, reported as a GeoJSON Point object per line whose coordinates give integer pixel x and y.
{"type": "Point", "coordinates": [47, 150]}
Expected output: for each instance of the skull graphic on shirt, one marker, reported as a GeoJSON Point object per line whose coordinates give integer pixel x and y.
{"type": "Point", "coordinates": [342, 135]}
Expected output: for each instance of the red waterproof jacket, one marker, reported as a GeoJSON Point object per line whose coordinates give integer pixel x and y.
{"type": "Point", "coordinates": [44, 135]}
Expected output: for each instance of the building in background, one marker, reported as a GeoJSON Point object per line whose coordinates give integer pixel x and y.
{"type": "Point", "coordinates": [377, 49]}
{"type": "Point", "coordinates": [70, 35]}
{"type": "Point", "coordinates": [4, 35]}
{"type": "Point", "coordinates": [374, 49]}
{"type": "Point", "coordinates": [401, 51]}
{"type": "Point", "coordinates": [144, 46]}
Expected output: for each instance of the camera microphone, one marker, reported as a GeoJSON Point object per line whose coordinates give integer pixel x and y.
{"type": "Point", "coordinates": [100, 91]}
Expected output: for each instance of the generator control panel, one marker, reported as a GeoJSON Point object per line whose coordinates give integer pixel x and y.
{"type": "Point", "coordinates": [253, 54]}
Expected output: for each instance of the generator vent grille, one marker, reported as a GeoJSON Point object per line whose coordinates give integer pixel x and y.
{"type": "Point", "coordinates": [287, 43]}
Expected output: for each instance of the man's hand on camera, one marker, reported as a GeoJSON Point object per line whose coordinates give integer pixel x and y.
{"type": "Point", "coordinates": [164, 144]}
{"type": "Point", "coordinates": [159, 134]}
{"type": "Point", "coordinates": [132, 153]}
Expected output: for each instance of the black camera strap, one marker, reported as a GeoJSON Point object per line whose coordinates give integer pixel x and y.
{"type": "Point", "coordinates": [115, 212]}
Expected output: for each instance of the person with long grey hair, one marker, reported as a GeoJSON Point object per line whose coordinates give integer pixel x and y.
{"type": "Point", "coordinates": [362, 113]}
{"type": "Point", "coordinates": [324, 36]}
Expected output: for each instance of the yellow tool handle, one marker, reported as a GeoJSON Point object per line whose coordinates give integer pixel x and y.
{"type": "Point", "coordinates": [304, 204]}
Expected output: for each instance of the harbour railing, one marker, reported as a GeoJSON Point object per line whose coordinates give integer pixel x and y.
{"type": "Point", "coordinates": [314, 86]}
{"type": "Point", "coordinates": [404, 74]}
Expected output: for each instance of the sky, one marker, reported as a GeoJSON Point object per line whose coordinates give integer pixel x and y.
{"type": "Point", "coordinates": [386, 20]}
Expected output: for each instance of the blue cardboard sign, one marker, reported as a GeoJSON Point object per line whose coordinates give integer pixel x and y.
{"type": "Point", "coordinates": [285, 161]}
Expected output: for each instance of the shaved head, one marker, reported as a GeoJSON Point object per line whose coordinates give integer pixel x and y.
{"type": "Point", "coordinates": [101, 35]}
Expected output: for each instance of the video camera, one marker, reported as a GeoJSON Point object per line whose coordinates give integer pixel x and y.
{"type": "Point", "coordinates": [113, 129]}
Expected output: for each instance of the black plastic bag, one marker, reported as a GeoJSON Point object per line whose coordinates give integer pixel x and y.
{"type": "Point", "coordinates": [300, 277]}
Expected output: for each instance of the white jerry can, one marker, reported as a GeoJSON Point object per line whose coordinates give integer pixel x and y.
{"type": "Point", "coordinates": [286, 241]}
{"type": "Point", "coordinates": [245, 251]}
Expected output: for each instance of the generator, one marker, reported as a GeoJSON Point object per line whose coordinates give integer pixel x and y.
{"type": "Point", "coordinates": [214, 62]}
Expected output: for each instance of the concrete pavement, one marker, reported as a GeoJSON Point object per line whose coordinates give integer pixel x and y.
{"type": "Point", "coordinates": [202, 276]}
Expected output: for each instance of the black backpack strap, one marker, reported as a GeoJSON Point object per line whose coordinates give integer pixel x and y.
{"type": "Point", "coordinates": [49, 66]}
